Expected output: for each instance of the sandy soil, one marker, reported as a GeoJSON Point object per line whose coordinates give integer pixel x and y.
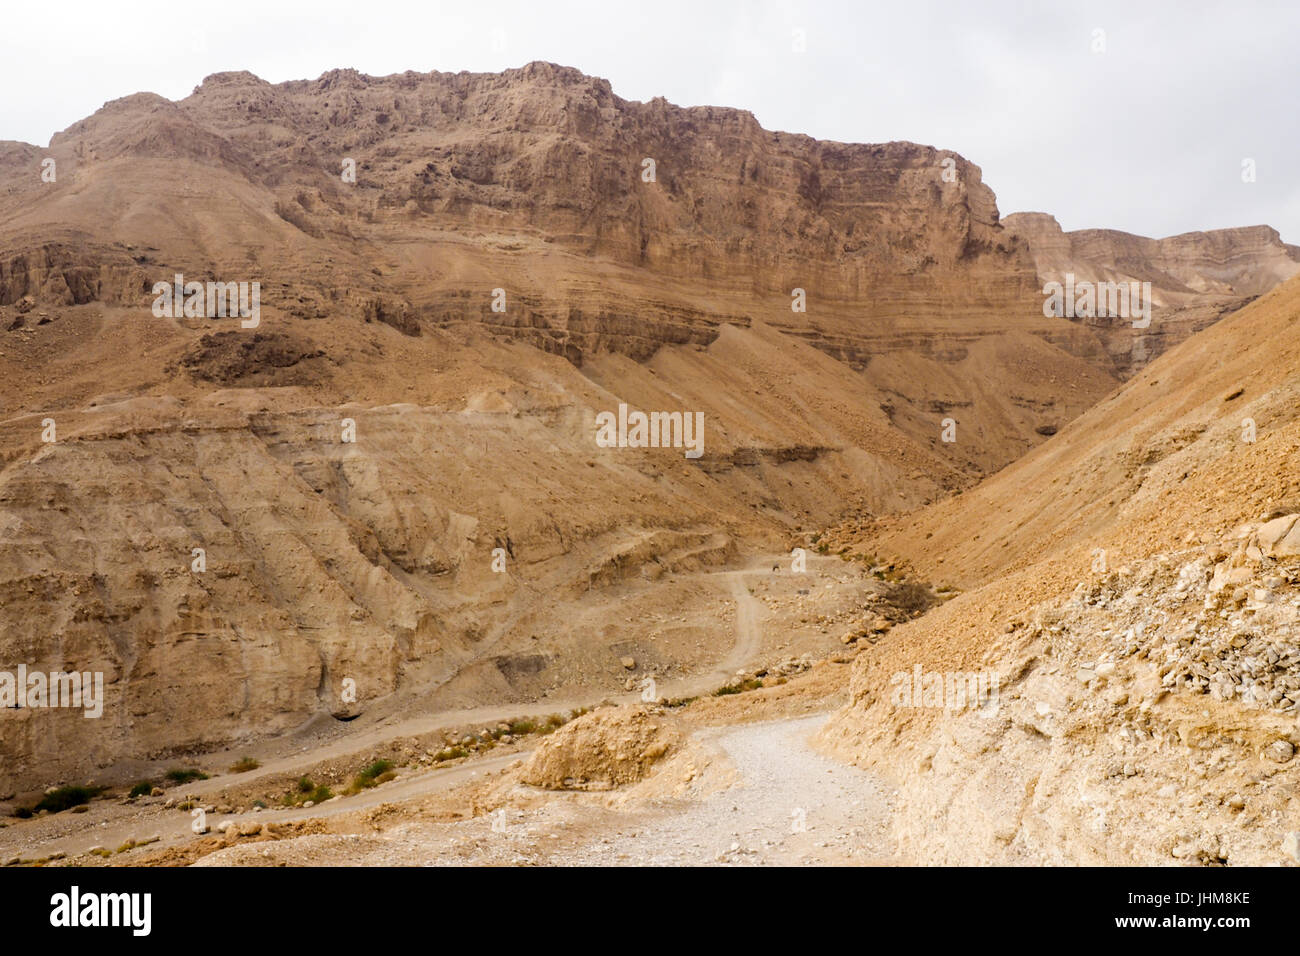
{"type": "Point", "coordinates": [782, 804]}
{"type": "Point", "coordinates": [773, 615]}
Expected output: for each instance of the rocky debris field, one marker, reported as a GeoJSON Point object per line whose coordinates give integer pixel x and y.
{"type": "Point", "coordinates": [1148, 718]}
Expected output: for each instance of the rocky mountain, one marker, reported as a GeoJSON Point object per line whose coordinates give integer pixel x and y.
{"type": "Point", "coordinates": [1195, 278]}
{"type": "Point", "coordinates": [457, 273]}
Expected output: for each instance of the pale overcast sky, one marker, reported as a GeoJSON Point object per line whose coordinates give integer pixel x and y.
{"type": "Point", "coordinates": [1148, 136]}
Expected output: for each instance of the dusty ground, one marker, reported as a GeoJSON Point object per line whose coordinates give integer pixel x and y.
{"type": "Point", "coordinates": [633, 576]}
{"type": "Point", "coordinates": [797, 630]}
{"type": "Point", "coordinates": [766, 798]}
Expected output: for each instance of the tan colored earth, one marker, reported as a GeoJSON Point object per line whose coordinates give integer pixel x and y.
{"type": "Point", "coordinates": [428, 603]}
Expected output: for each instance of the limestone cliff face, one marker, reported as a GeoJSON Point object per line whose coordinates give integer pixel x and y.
{"type": "Point", "coordinates": [550, 150]}
{"type": "Point", "coordinates": [541, 159]}
{"type": "Point", "coordinates": [542, 182]}
{"type": "Point", "coordinates": [59, 273]}
{"type": "Point", "coordinates": [1196, 277]}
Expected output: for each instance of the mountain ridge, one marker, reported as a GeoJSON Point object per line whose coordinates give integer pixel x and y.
{"type": "Point", "coordinates": [474, 426]}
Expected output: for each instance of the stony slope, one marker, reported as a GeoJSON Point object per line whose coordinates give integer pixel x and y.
{"type": "Point", "coordinates": [1196, 278]}
{"type": "Point", "coordinates": [1132, 585]}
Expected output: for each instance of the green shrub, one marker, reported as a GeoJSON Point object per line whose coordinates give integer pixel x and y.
{"type": "Point", "coordinates": [377, 768]}
{"type": "Point", "coordinates": [552, 723]}
{"type": "Point", "coordinates": [66, 797]}
{"type": "Point", "coordinates": [185, 774]}
{"type": "Point", "coordinates": [738, 688]}
{"type": "Point", "coordinates": [381, 771]}
{"type": "Point", "coordinates": [306, 790]}
{"type": "Point", "coordinates": [142, 789]}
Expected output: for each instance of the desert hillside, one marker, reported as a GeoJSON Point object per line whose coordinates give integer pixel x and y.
{"type": "Point", "coordinates": [1195, 278]}
{"type": "Point", "coordinates": [1133, 584]}
{"type": "Point", "coordinates": [393, 479]}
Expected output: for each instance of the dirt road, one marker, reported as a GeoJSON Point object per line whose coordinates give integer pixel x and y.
{"type": "Point", "coordinates": [786, 805]}
{"type": "Point", "coordinates": [112, 824]}
{"type": "Point", "coordinates": [789, 805]}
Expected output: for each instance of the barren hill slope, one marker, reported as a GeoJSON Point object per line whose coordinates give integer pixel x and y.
{"type": "Point", "coordinates": [1133, 590]}
{"type": "Point", "coordinates": [474, 428]}
{"type": "Point", "coordinates": [128, 440]}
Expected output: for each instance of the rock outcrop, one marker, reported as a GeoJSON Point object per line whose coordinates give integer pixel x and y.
{"type": "Point", "coordinates": [1195, 278]}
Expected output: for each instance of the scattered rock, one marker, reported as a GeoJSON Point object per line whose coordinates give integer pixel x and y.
{"type": "Point", "coordinates": [1291, 845]}
{"type": "Point", "coordinates": [1280, 751]}
{"type": "Point", "coordinates": [600, 750]}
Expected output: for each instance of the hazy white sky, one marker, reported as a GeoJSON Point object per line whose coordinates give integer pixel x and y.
{"type": "Point", "coordinates": [1148, 136]}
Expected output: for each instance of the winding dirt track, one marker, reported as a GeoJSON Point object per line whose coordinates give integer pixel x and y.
{"type": "Point", "coordinates": [786, 805]}
{"type": "Point", "coordinates": [789, 805]}
{"type": "Point", "coordinates": [114, 824]}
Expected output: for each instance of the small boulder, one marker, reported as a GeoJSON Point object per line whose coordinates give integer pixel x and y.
{"type": "Point", "coordinates": [1291, 845]}
{"type": "Point", "coordinates": [1280, 751]}
{"type": "Point", "coordinates": [601, 750]}
{"type": "Point", "coordinates": [1272, 536]}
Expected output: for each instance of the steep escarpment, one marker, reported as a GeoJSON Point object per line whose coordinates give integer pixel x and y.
{"type": "Point", "coordinates": [1196, 278]}
{"type": "Point", "coordinates": [351, 188]}
{"type": "Point", "coordinates": [538, 206]}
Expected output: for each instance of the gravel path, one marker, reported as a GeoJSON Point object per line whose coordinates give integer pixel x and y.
{"type": "Point", "coordinates": [789, 805]}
